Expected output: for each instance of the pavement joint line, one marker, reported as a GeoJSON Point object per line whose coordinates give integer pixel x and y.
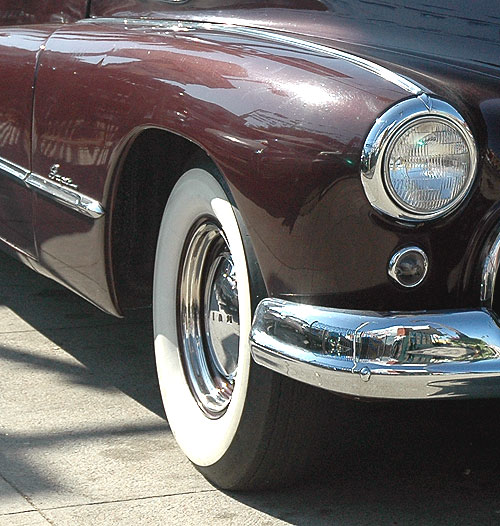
{"type": "Point", "coordinates": [99, 503]}
{"type": "Point", "coordinates": [16, 513]}
{"type": "Point", "coordinates": [74, 327]}
{"type": "Point", "coordinates": [27, 499]}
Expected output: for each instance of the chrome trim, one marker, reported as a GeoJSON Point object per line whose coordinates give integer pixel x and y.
{"type": "Point", "coordinates": [13, 170]}
{"type": "Point", "coordinates": [391, 268]}
{"type": "Point", "coordinates": [369, 354]}
{"type": "Point", "coordinates": [489, 272]}
{"type": "Point", "coordinates": [66, 196]}
{"type": "Point", "coordinates": [54, 175]}
{"type": "Point", "coordinates": [62, 193]}
{"type": "Point", "coordinates": [392, 77]}
{"type": "Point", "coordinates": [209, 351]}
{"type": "Point", "coordinates": [384, 130]}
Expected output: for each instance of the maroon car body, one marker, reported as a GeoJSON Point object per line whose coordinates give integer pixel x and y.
{"type": "Point", "coordinates": [103, 102]}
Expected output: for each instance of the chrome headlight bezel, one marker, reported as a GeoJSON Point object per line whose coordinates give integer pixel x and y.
{"type": "Point", "coordinates": [386, 130]}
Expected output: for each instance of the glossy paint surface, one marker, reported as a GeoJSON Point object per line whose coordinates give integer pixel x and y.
{"type": "Point", "coordinates": [454, 52]}
{"type": "Point", "coordinates": [19, 48]}
{"type": "Point", "coordinates": [461, 30]}
{"type": "Point", "coordinates": [17, 12]}
{"type": "Point", "coordinates": [259, 108]}
{"type": "Point", "coordinates": [288, 134]}
{"type": "Point", "coordinates": [284, 124]}
{"type": "Point", "coordinates": [18, 52]}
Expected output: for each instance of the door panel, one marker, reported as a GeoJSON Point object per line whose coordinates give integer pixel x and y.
{"type": "Point", "coordinates": [18, 53]}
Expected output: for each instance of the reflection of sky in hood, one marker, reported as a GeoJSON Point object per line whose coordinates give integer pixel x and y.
{"type": "Point", "coordinates": [461, 29]}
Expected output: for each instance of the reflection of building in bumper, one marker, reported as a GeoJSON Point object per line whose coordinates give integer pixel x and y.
{"type": "Point", "coordinates": [394, 355]}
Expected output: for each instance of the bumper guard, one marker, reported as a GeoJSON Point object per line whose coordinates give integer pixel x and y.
{"type": "Point", "coordinates": [381, 355]}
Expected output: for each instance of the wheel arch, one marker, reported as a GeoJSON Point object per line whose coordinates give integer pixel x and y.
{"type": "Point", "coordinates": [144, 174]}
{"type": "Point", "coordinates": [150, 162]}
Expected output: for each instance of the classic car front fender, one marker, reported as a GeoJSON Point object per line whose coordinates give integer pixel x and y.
{"type": "Point", "coordinates": [284, 120]}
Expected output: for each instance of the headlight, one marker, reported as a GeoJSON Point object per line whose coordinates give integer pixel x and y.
{"type": "Point", "coordinates": [419, 160]}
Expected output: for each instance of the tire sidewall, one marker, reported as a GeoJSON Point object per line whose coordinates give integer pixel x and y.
{"type": "Point", "coordinates": [197, 194]}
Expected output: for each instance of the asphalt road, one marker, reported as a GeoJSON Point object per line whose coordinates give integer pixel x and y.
{"type": "Point", "coordinates": [84, 441]}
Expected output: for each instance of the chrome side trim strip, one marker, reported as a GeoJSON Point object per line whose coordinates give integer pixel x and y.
{"type": "Point", "coordinates": [63, 194]}
{"type": "Point", "coordinates": [13, 170]}
{"type": "Point", "coordinates": [66, 196]}
{"type": "Point", "coordinates": [392, 77]}
{"type": "Point", "coordinates": [369, 354]}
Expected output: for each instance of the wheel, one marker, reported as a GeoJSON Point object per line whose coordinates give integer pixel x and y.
{"type": "Point", "coordinates": [241, 425]}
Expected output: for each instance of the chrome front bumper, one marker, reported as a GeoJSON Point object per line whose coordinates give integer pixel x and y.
{"type": "Point", "coordinates": [375, 355]}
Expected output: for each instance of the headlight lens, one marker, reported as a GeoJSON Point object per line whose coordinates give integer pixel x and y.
{"type": "Point", "coordinates": [419, 160]}
{"type": "Point", "coordinates": [428, 165]}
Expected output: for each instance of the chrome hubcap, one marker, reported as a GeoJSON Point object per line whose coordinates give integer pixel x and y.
{"type": "Point", "coordinates": [208, 318]}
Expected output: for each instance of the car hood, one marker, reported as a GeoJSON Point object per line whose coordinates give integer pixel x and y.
{"type": "Point", "coordinates": [463, 32]}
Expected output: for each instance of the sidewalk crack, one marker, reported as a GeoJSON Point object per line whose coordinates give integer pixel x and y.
{"type": "Point", "coordinates": [130, 499]}
{"type": "Point", "coordinates": [27, 499]}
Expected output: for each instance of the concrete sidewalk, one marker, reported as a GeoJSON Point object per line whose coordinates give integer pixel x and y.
{"type": "Point", "coordinates": [84, 441]}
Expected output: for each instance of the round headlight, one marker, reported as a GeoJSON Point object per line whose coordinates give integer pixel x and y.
{"type": "Point", "coordinates": [427, 165]}
{"type": "Point", "coordinates": [419, 160]}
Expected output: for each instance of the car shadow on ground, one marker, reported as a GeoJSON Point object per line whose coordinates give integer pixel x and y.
{"type": "Point", "coordinates": [109, 353]}
{"type": "Point", "coordinates": [119, 352]}
{"type": "Point", "coordinates": [408, 463]}
{"type": "Point", "coordinates": [399, 463]}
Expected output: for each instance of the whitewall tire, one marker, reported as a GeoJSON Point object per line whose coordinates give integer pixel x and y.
{"type": "Point", "coordinates": [203, 438]}
{"type": "Point", "coordinates": [241, 425]}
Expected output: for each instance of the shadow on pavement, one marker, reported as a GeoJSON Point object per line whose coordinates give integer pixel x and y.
{"type": "Point", "coordinates": [408, 463]}
{"type": "Point", "coordinates": [111, 353]}
{"type": "Point", "coordinates": [19, 447]}
{"type": "Point", "coordinates": [402, 463]}
{"type": "Point", "coordinates": [117, 352]}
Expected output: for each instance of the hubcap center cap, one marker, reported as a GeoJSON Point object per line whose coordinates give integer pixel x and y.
{"type": "Point", "coordinates": [222, 316]}
{"type": "Point", "coordinates": [208, 317]}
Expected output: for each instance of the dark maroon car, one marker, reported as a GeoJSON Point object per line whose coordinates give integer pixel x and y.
{"type": "Point", "coordinates": [307, 192]}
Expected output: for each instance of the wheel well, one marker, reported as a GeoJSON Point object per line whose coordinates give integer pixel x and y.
{"type": "Point", "coordinates": [153, 164]}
